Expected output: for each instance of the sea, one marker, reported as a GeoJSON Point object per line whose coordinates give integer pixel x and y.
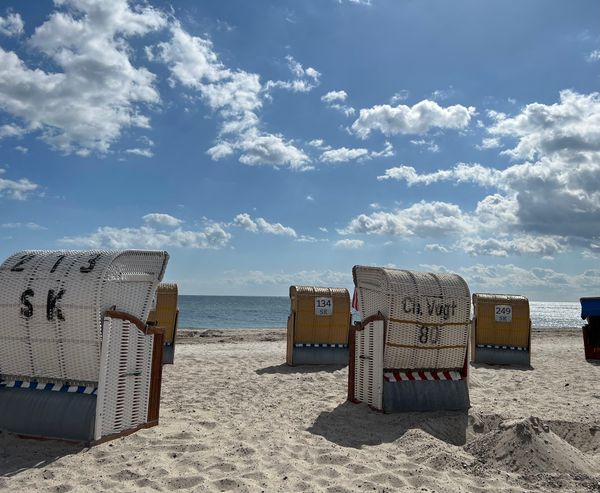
{"type": "Point", "coordinates": [236, 312]}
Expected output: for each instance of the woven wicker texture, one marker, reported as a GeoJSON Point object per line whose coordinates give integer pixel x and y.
{"type": "Point", "coordinates": [368, 365]}
{"type": "Point", "coordinates": [515, 332]}
{"type": "Point", "coordinates": [428, 316]}
{"type": "Point", "coordinates": [124, 379]}
{"type": "Point", "coordinates": [51, 306]}
{"type": "Point", "coordinates": [308, 326]}
{"type": "Point", "coordinates": [164, 312]}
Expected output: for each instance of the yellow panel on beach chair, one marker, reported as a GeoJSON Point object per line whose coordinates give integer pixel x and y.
{"type": "Point", "coordinates": [501, 329]}
{"type": "Point", "coordinates": [318, 326]}
{"type": "Point", "coordinates": [165, 314]}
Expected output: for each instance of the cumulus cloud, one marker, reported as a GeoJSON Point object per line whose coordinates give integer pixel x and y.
{"type": "Point", "coordinates": [461, 173]}
{"type": "Point", "coordinates": [235, 95]}
{"type": "Point", "coordinates": [418, 119]}
{"type": "Point", "coordinates": [261, 225]}
{"type": "Point", "coordinates": [350, 244]}
{"type": "Point", "coordinates": [19, 189]}
{"type": "Point", "coordinates": [496, 278]}
{"type": "Point", "coordinates": [336, 100]}
{"type": "Point", "coordinates": [548, 201]}
{"type": "Point", "coordinates": [344, 154]}
{"type": "Point", "coordinates": [96, 92]}
{"type": "Point", "coordinates": [305, 79]}
{"type": "Point", "coordinates": [436, 247]}
{"type": "Point", "coordinates": [11, 25]}
{"type": "Point", "coordinates": [422, 219]}
{"type": "Point", "coordinates": [212, 236]}
{"type": "Point", "coordinates": [162, 219]}
{"type": "Point", "coordinates": [545, 246]}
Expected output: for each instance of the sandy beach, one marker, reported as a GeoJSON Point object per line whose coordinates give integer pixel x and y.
{"type": "Point", "coordinates": [234, 417]}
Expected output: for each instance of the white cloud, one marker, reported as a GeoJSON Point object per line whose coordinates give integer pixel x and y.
{"type": "Point", "coordinates": [430, 145]}
{"type": "Point", "coordinates": [336, 100]}
{"type": "Point", "coordinates": [30, 225]}
{"type": "Point", "coordinates": [306, 79]}
{"type": "Point", "coordinates": [212, 236]}
{"type": "Point", "coordinates": [436, 247]}
{"type": "Point", "coordinates": [162, 219]}
{"type": "Point", "coordinates": [235, 96]}
{"type": "Point", "coordinates": [323, 229]}
{"type": "Point", "coordinates": [97, 91]}
{"type": "Point", "coordinates": [489, 143]}
{"type": "Point", "coordinates": [496, 278]}
{"type": "Point", "coordinates": [261, 225]}
{"type": "Point", "coordinates": [418, 119]}
{"type": "Point", "coordinates": [11, 130]}
{"type": "Point", "coordinates": [16, 189]}
{"type": "Point", "coordinates": [519, 245]}
{"type": "Point", "coordinates": [594, 56]}
{"type": "Point", "coordinates": [343, 154]}
{"type": "Point", "coordinates": [21, 149]}
{"type": "Point", "coordinates": [350, 244]}
{"type": "Point", "coordinates": [140, 152]}
{"type": "Point", "coordinates": [461, 173]}
{"type": "Point", "coordinates": [310, 198]}
{"type": "Point", "coordinates": [11, 25]}
{"type": "Point", "coordinates": [400, 96]}
{"type": "Point", "coordinates": [422, 219]}
{"type": "Point", "coordinates": [442, 94]}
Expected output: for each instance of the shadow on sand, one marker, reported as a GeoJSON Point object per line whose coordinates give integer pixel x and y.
{"type": "Point", "coordinates": [20, 454]}
{"type": "Point", "coordinates": [285, 369]}
{"type": "Point", "coordinates": [355, 425]}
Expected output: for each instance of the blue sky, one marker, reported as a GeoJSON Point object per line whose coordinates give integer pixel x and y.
{"type": "Point", "coordinates": [265, 144]}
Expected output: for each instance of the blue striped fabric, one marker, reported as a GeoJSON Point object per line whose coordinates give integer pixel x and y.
{"type": "Point", "coordinates": [322, 345]}
{"type": "Point", "coordinates": [489, 346]}
{"type": "Point", "coordinates": [54, 387]}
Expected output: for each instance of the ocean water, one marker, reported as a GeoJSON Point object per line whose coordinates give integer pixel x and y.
{"type": "Point", "coordinates": [235, 312]}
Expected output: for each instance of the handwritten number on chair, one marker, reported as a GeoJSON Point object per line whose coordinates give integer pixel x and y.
{"type": "Point", "coordinates": [429, 334]}
{"type": "Point", "coordinates": [91, 264]}
{"type": "Point", "coordinates": [18, 267]}
{"type": "Point", "coordinates": [27, 308]}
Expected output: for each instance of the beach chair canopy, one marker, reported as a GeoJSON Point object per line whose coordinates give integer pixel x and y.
{"type": "Point", "coordinates": [590, 307]}
{"type": "Point", "coordinates": [52, 304]}
{"type": "Point", "coordinates": [427, 315]}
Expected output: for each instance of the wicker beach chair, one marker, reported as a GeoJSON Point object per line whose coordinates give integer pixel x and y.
{"type": "Point", "coordinates": [317, 329]}
{"type": "Point", "coordinates": [590, 312]}
{"type": "Point", "coordinates": [501, 330]}
{"type": "Point", "coordinates": [164, 314]}
{"type": "Point", "coordinates": [77, 362]}
{"type": "Point", "coordinates": [409, 353]}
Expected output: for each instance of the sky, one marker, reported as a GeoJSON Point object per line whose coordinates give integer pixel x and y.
{"type": "Point", "coordinates": [270, 143]}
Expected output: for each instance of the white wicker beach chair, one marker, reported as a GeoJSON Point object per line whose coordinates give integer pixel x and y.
{"type": "Point", "coordinates": [77, 362]}
{"type": "Point", "coordinates": [410, 351]}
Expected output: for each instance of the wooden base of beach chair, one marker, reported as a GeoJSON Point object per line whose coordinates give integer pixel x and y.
{"type": "Point", "coordinates": [492, 355]}
{"type": "Point", "coordinates": [323, 354]}
{"type": "Point", "coordinates": [425, 395]}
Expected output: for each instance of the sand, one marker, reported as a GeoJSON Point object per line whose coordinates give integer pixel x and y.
{"type": "Point", "coordinates": [235, 417]}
